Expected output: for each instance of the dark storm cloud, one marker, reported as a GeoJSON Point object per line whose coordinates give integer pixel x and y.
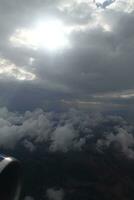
{"type": "Point", "coordinates": [99, 61]}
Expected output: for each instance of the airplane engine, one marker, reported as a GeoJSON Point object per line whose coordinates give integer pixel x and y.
{"type": "Point", "coordinates": [10, 178]}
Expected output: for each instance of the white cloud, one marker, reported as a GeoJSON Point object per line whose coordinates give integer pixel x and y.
{"type": "Point", "coordinates": [62, 138]}
{"type": "Point", "coordinates": [13, 128]}
{"type": "Point", "coordinates": [37, 127]}
{"type": "Point", "coordinates": [24, 37]}
{"type": "Point", "coordinates": [10, 70]}
{"type": "Point", "coordinates": [123, 5]}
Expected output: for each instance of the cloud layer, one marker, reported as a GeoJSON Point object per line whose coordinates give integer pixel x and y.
{"type": "Point", "coordinates": [68, 131]}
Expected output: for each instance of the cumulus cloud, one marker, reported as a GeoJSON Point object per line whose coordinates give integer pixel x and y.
{"type": "Point", "coordinates": [122, 138]}
{"type": "Point", "coordinates": [74, 130]}
{"type": "Point", "coordinates": [55, 194]}
{"type": "Point", "coordinates": [14, 128]}
{"type": "Point", "coordinates": [62, 138]}
{"type": "Point", "coordinates": [39, 127]}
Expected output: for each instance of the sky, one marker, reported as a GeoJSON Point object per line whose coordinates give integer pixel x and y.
{"type": "Point", "coordinates": [69, 52]}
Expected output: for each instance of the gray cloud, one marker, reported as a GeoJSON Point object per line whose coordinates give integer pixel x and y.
{"type": "Point", "coordinates": [104, 4]}
{"type": "Point", "coordinates": [55, 194]}
{"type": "Point", "coordinates": [29, 145]}
{"type": "Point", "coordinates": [123, 138]}
{"type": "Point", "coordinates": [101, 57]}
{"type": "Point", "coordinates": [28, 198]}
{"type": "Point", "coordinates": [39, 127]}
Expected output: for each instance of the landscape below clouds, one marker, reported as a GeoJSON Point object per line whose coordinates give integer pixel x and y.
{"type": "Point", "coordinates": [71, 154]}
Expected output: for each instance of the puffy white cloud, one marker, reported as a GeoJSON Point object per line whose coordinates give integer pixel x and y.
{"type": "Point", "coordinates": [62, 138]}
{"type": "Point", "coordinates": [40, 127]}
{"type": "Point", "coordinates": [13, 128]}
{"type": "Point", "coordinates": [65, 131]}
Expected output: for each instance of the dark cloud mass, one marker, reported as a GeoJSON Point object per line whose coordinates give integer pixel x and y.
{"type": "Point", "coordinates": [100, 59]}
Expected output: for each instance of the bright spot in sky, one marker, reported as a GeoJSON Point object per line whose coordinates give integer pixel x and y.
{"type": "Point", "coordinates": [50, 34]}
{"type": "Point", "coordinates": [107, 28]}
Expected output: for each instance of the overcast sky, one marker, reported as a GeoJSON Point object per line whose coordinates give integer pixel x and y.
{"type": "Point", "coordinates": [68, 51]}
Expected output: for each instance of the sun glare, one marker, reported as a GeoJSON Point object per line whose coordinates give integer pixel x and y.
{"type": "Point", "coordinates": [51, 34]}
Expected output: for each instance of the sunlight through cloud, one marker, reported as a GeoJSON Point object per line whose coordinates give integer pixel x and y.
{"type": "Point", "coordinates": [10, 70]}
{"type": "Point", "coordinates": [51, 34]}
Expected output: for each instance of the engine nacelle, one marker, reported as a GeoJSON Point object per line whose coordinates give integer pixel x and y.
{"type": "Point", "coordinates": [10, 178]}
